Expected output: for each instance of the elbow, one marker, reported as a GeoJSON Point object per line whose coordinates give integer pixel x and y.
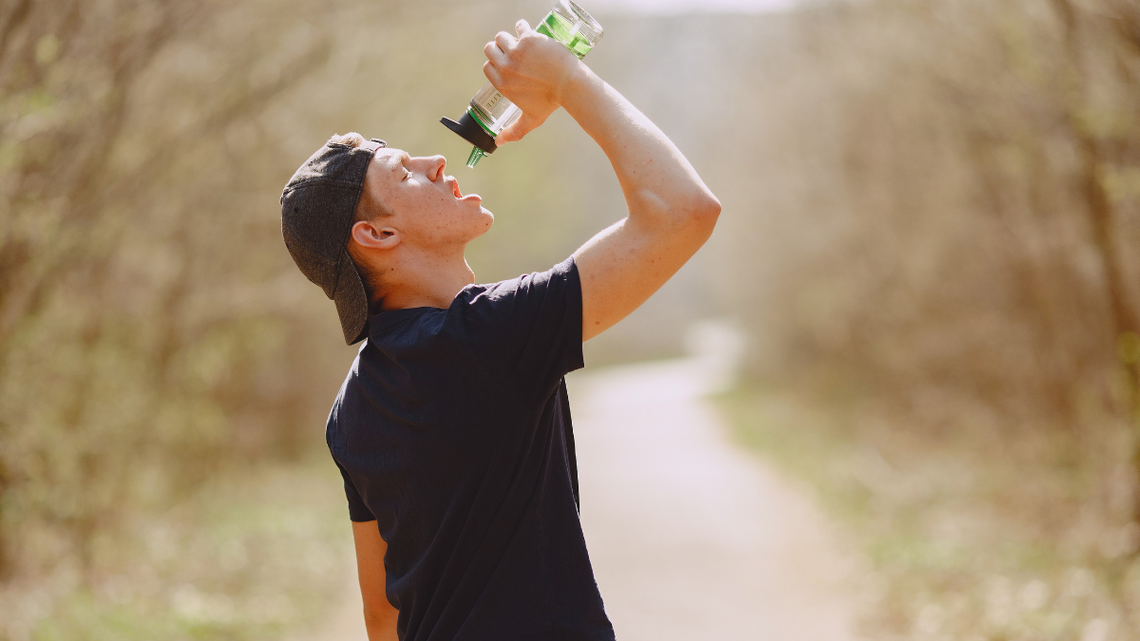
{"type": "Point", "coordinates": [693, 210]}
{"type": "Point", "coordinates": [704, 211]}
{"type": "Point", "coordinates": [380, 619]}
{"type": "Point", "coordinates": [710, 208]}
{"type": "Point", "coordinates": [695, 216]}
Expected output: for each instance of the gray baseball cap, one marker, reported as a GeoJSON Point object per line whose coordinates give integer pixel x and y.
{"type": "Point", "coordinates": [318, 207]}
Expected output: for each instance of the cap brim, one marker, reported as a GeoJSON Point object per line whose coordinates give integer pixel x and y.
{"type": "Point", "coordinates": [351, 301]}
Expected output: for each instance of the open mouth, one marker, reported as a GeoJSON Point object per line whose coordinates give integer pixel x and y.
{"type": "Point", "coordinates": [459, 194]}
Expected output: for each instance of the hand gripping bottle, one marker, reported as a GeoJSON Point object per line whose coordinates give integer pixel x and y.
{"type": "Point", "coordinates": [489, 112]}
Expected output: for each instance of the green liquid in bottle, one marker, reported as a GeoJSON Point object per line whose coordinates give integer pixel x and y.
{"type": "Point", "coordinates": [559, 28]}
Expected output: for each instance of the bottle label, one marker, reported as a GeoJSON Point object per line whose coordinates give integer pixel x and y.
{"type": "Point", "coordinates": [490, 103]}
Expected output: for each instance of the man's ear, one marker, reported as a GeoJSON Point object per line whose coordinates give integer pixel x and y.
{"type": "Point", "coordinates": [373, 235]}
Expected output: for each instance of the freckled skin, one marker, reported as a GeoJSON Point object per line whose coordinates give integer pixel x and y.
{"type": "Point", "coordinates": [417, 249]}
{"type": "Point", "coordinates": [423, 199]}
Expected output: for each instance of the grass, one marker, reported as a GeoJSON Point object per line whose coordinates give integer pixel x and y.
{"type": "Point", "coordinates": [259, 554]}
{"type": "Point", "coordinates": [971, 530]}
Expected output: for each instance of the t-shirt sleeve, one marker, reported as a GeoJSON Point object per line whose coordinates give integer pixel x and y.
{"type": "Point", "coordinates": [527, 331]}
{"type": "Point", "coordinates": [357, 510]}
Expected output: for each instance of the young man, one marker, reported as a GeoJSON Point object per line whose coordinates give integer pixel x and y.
{"type": "Point", "coordinates": [452, 430]}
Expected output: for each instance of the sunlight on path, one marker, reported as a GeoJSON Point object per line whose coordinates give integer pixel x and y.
{"type": "Point", "coordinates": [691, 539]}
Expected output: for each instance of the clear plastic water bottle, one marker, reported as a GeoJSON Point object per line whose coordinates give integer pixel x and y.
{"type": "Point", "coordinates": [489, 112]}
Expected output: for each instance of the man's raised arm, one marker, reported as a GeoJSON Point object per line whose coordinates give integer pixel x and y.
{"type": "Point", "coordinates": [671, 211]}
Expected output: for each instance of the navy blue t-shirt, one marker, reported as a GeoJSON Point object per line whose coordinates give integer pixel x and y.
{"type": "Point", "coordinates": [453, 433]}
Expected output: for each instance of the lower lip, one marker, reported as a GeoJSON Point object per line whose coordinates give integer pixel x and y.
{"type": "Point", "coordinates": [472, 197]}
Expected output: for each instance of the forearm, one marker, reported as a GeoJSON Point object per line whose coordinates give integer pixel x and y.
{"type": "Point", "coordinates": [379, 615]}
{"type": "Point", "coordinates": [659, 184]}
{"type": "Point", "coordinates": [380, 627]}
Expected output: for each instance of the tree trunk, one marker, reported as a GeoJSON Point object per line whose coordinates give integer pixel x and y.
{"type": "Point", "coordinates": [1103, 223]}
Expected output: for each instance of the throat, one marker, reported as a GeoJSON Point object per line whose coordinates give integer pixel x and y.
{"type": "Point", "coordinates": [428, 286]}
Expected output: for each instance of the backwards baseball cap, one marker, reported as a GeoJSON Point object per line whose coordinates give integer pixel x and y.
{"type": "Point", "coordinates": [318, 207]}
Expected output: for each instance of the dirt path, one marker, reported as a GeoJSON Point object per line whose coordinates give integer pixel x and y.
{"type": "Point", "coordinates": [690, 538]}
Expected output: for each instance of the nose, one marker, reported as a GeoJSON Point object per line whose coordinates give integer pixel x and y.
{"type": "Point", "coordinates": [436, 165]}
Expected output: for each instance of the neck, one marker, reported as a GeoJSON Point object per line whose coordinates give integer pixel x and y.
{"type": "Point", "coordinates": [424, 281]}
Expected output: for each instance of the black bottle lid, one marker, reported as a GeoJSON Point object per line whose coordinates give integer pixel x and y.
{"type": "Point", "coordinates": [470, 131]}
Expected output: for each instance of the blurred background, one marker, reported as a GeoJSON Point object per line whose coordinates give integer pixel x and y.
{"type": "Point", "coordinates": [931, 217]}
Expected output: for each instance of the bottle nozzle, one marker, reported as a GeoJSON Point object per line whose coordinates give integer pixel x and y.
{"type": "Point", "coordinates": [471, 131]}
{"type": "Point", "coordinates": [477, 154]}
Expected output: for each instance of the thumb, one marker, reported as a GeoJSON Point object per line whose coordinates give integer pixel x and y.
{"type": "Point", "coordinates": [521, 127]}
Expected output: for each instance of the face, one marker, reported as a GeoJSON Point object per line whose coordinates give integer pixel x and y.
{"type": "Point", "coordinates": [427, 206]}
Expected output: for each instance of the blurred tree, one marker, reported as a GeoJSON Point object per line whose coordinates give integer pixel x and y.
{"type": "Point", "coordinates": [983, 245]}
{"type": "Point", "coordinates": [135, 316]}
{"type": "Point", "coordinates": [1103, 52]}
{"type": "Point", "coordinates": [152, 328]}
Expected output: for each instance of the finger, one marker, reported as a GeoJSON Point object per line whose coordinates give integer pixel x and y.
{"type": "Point", "coordinates": [492, 73]}
{"type": "Point", "coordinates": [505, 41]}
{"type": "Point", "coordinates": [494, 53]}
{"type": "Point", "coordinates": [521, 127]}
{"type": "Point", "coordinates": [521, 27]}
{"type": "Point", "coordinates": [515, 132]}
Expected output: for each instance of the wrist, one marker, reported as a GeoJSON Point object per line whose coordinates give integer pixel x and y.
{"type": "Point", "coordinates": [576, 85]}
